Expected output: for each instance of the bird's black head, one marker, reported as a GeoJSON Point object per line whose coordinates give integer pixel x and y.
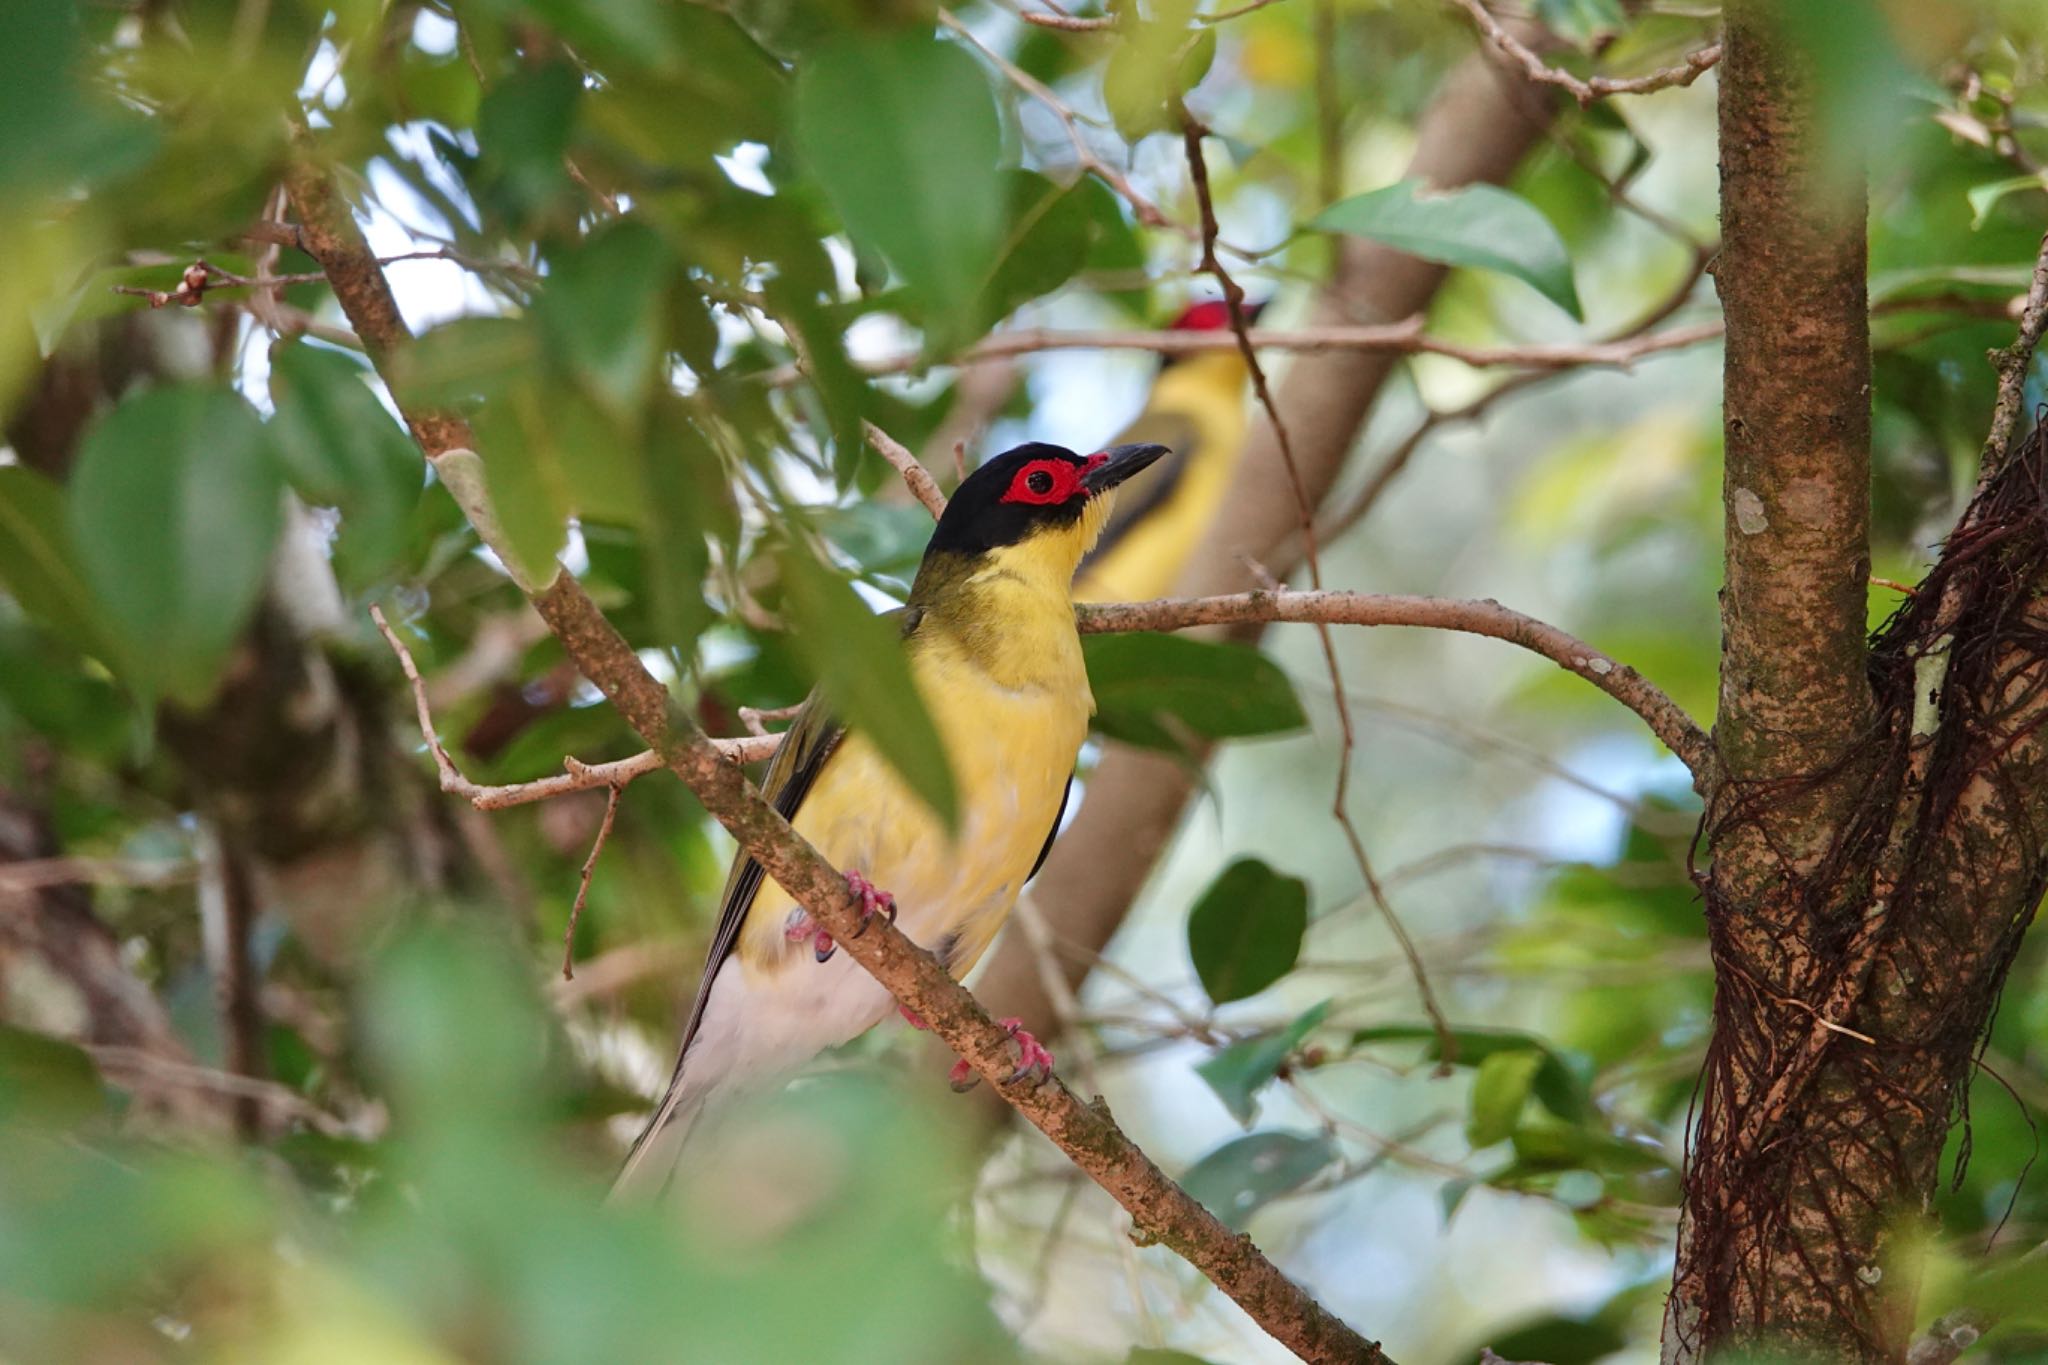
{"type": "Point", "coordinates": [1037, 492]}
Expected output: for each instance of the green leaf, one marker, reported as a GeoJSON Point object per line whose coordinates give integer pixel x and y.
{"type": "Point", "coordinates": [1240, 1071]}
{"type": "Point", "coordinates": [342, 449]}
{"type": "Point", "coordinates": [1245, 1174]}
{"type": "Point", "coordinates": [1482, 226]}
{"type": "Point", "coordinates": [1558, 1086]}
{"type": "Point", "coordinates": [1050, 232]}
{"type": "Point", "coordinates": [39, 563]}
{"type": "Point", "coordinates": [530, 492]}
{"type": "Point", "coordinates": [1154, 689]}
{"type": "Point", "coordinates": [902, 132]}
{"type": "Point", "coordinates": [859, 660]}
{"type": "Point", "coordinates": [1498, 1093]}
{"type": "Point", "coordinates": [1582, 23]}
{"type": "Point", "coordinates": [523, 130]}
{"type": "Point", "coordinates": [1245, 931]}
{"type": "Point", "coordinates": [47, 1078]}
{"type": "Point", "coordinates": [603, 313]}
{"type": "Point", "coordinates": [176, 503]}
{"type": "Point", "coordinates": [1984, 198]}
{"type": "Point", "coordinates": [1157, 59]}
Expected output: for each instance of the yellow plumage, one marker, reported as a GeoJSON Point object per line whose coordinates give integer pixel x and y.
{"type": "Point", "coordinates": [1000, 672]}
{"type": "Point", "coordinates": [1196, 406]}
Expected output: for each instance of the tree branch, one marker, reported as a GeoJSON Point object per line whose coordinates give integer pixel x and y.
{"type": "Point", "coordinates": [1484, 617]}
{"type": "Point", "coordinates": [1086, 1133]}
{"type": "Point", "coordinates": [1695, 65]}
{"type": "Point", "coordinates": [1396, 338]}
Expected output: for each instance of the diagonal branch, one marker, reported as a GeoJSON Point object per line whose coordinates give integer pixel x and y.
{"type": "Point", "coordinates": [1085, 1132]}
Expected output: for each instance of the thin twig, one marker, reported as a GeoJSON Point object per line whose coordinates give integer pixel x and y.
{"type": "Point", "coordinates": [755, 718]}
{"type": "Point", "coordinates": [2013, 363]}
{"type": "Point", "coordinates": [604, 832]}
{"type": "Point", "coordinates": [1397, 459]}
{"type": "Point", "coordinates": [34, 874]}
{"type": "Point", "coordinates": [1396, 338]}
{"type": "Point", "coordinates": [1193, 132]}
{"type": "Point", "coordinates": [1072, 23]}
{"type": "Point", "coordinates": [922, 485]}
{"type": "Point", "coordinates": [580, 777]}
{"type": "Point", "coordinates": [202, 276]}
{"type": "Point", "coordinates": [1695, 65]}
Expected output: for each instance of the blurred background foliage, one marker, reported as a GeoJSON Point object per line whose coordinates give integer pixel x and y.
{"type": "Point", "coordinates": [289, 1071]}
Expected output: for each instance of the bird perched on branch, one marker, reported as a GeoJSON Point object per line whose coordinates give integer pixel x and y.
{"type": "Point", "coordinates": [1197, 407]}
{"type": "Point", "coordinates": [990, 633]}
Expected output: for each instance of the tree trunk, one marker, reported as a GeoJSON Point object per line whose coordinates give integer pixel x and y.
{"type": "Point", "coordinates": [1872, 823]}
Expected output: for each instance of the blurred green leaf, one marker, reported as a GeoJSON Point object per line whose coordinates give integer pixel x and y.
{"type": "Point", "coordinates": [1498, 1093]}
{"type": "Point", "coordinates": [342, 449]}
{"type": "Point", "coordinates": [1862, 86]}
{"type": "Point", "coordinates": [1559, 1340]}
{"type": "Point", "coordinates": [1238, 1072]}
{"type": "Point", "coordinates": [39, 563]}
{"type": "Point", "coordinates": [603, 312]}
{"type": "Point", "coordinates": [46, 1080]}
{"type": "Point", "coordinates": [1558, 1084]}
{"type": "Point", "coordinates": [1245, 931]}
{"type": "Point", "coordinates": [1147, 684]}
{"type": "Point", "coordinates": [1984, 198]}
{"type": "Point", "coordinates": [1245, 1174]}
{"type": "Point", "coordinates": [1051, 228]}
{"type": "Point", "coordinates": [1585, 24]}
{"type": "Point", "coordinates": [523, 129]}
{"type": "Point", "coordinates": [176, 502]}
{"type": "Point", "coordinates": [51, 131]}
{"type": "Point", "coordinates": [1482, 226]}
{"type": "Point", "coordinates": [1158, 58]}
{"type": "Point", "coordinates": [901, 130]}
{"type": "Point", "coordinates": [859, 660]}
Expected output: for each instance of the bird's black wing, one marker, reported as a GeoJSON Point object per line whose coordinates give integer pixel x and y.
{"type": "Point", "coordinates": [1066, 793]}
{"type": "Point", "coordinates": [1148, 491]}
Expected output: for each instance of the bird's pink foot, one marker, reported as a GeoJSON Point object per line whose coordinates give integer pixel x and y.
{"type": "Point", "coordinates": [912, 1018]}
{"type": "Point", "coordinates": [799, 927]}
{"type": "Point", "coordinates": [1032, 1060]}
{"type": "Point", "coordinates": [873, 901]}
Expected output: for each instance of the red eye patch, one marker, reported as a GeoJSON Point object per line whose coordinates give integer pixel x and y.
{"type": "Point", "coordinates": [1048, 482]}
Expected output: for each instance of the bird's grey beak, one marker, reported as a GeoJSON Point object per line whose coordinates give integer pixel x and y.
{"type": "Point", "coordinates": [1111, 467]}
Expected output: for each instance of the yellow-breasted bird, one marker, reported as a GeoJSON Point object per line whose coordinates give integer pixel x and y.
{"type": "Point", "coordinates": [1196, 406]}
{"type": "Point", "coordinates": [990, 634]}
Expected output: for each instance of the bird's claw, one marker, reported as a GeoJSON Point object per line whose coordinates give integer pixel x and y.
{"type": "Point", "coordinates": [873, 901]}
{"type": "Point", "coordinates": [1032, 1060]}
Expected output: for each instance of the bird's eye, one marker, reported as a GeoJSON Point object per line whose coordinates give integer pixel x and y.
{"type": "Point", "coordinates": [1040, 482]}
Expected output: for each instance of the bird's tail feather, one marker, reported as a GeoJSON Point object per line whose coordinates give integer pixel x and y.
{"type": "Point", "coordinates": [652, 1163]}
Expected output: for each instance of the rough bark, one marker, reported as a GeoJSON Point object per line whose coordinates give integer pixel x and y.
{"type": "Point", "coordinates": [1875, 825]}
{"type": "Point", "coordinates": [1480, 125]}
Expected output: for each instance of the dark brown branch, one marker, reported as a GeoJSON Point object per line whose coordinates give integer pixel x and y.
{"type": "Point", "coordinates": [604, 832]}
{"type": "Point", "coordinates": [1158, 1207]}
